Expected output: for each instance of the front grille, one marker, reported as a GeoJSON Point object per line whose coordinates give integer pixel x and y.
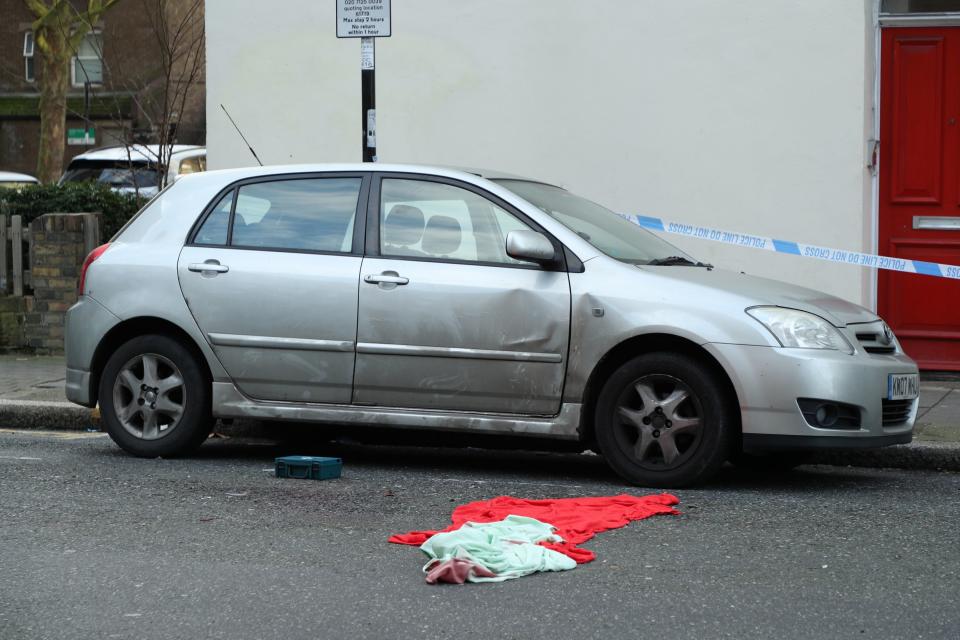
{"type": "Point", "coordinates": [871, 337]}
{"type": "Point", "coordinates": [873, 343]}
{"type": "Point", "coordinates": [896, 411]}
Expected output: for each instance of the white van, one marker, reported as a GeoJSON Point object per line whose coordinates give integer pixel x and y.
{"type": "Point", "coordinates": [133, 169]}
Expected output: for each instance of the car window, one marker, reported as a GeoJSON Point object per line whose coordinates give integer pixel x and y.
{"type": "Point", "coordinates": [315, 214]}
{"type": "Point", "coordinates": [604, 229]}
{"type": "Point", "coordinates": [420, 219]}
{"type": "Point", "coordinates": [195, 164]}
{"type": "Point", "coordinates": [214, 228]}
{"type": "Point", "coordinates": [119, 174]}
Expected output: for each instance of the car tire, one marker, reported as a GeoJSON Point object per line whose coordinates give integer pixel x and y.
{"type": "Point", "coordinates": [663, 419]}
{"type": "Point", "coordinates": [155, 397]}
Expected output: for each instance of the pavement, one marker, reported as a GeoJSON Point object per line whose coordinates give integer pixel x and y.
{"type": "Point", "coordinates": [98, 544]}
{"type": "Point", "coordinates": [32, 397]}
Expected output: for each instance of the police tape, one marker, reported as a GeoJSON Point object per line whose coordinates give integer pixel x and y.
{"type": "Point", "coordinates": [789, 247]}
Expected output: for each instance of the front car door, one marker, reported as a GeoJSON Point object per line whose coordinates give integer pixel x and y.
{"type": "Point", "coordinates": [271, 277]}
{"type": "Point", "coordinates": [446, 319]}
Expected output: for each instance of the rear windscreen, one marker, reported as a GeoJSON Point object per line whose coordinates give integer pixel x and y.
{"type": "Point", "coordinates": [115, 173]}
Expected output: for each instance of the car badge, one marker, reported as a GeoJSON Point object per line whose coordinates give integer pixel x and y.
{"type": "Point", "coordinates": [887, 335]}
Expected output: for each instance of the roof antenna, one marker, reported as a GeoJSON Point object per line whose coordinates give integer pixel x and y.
{"type": "Point", "coordinates": [241, 135]}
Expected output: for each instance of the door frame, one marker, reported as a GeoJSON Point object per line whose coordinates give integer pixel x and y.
{"type": "Point", "coordinates": [565, 262]}
{"type": "Point", "coordinates": [562, 262]}
{"type": "Point", "coordinates": [883, 21]}
{"type": "Point", "coordinates": [359, 220]}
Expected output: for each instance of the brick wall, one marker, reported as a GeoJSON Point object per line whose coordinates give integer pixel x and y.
{"type": "Point", "coordinates": [132, 63]}
{"type": "Point", "coordinates": [60, 242]}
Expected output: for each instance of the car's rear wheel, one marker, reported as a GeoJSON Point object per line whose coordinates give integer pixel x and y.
{"type": "Point", "coordinates": [155, 398]}
{"type": "Point", "coordinates": [663, 420]}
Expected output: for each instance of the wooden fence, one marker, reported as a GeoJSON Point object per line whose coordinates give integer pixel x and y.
{"type": "Point", "coordinates": [14, 237]}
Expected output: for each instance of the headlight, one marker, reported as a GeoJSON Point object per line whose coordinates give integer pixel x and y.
{"type": "Point", "coordinates": [793, 328]}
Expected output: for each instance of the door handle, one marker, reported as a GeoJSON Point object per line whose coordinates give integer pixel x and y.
{"type": "Point", "coordinates": [385, 278]}
{"type": "Point", "coordinates": [209, 265]}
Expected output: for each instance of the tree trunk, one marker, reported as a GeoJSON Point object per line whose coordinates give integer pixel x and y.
{"type": "Point", "coordinates": [53, 113]}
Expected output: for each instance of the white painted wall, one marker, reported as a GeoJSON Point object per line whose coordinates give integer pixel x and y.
{"type": "Point", "coordinates": [749, 116]}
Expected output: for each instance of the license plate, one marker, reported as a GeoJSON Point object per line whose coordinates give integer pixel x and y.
{"type": "Point", "coordinates": [903, 386]}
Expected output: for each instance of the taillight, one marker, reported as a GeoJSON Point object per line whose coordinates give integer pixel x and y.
{"type": "Point", "coordinates": [96, 253]}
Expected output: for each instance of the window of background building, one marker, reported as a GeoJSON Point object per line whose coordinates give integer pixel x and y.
{"type": "Point", "coordinates": [28, 56]}
{"type": "Point", "coordinates": [87, 65]}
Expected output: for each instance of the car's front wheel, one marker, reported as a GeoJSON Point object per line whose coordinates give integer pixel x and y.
{"type": "Point", "coordinates": [664, 420]}
{"type": "Point", "coordinates": [155, 398]}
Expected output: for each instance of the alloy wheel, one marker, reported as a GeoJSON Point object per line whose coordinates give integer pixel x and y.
{"type": "Point", "coordinates": [659, 422]}
{"type": "Point", "coordinates": [149, 396]}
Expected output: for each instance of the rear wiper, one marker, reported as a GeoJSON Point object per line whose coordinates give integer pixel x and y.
{"type": "Point", "coordinates": [677, 260]}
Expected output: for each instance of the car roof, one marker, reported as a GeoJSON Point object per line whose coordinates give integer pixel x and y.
{"type": "Point", "coordinates": [231, 175]}
{"type": "Point", "coordinates": [139, 152]}
{"type": "Point", "coordinates": [10, 176]}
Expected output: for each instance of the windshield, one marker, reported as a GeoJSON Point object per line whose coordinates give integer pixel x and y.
{"type": "Point", "coordinates": [610, 233]}
{"type": "Point", "coordinates": [118, 174]}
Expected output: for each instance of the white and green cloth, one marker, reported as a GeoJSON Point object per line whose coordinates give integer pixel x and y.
{"type": "Point", "coordinates": [507, 548]}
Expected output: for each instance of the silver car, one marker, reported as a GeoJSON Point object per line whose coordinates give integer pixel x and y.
{"type": "Point", "coordinates": [441, 299]}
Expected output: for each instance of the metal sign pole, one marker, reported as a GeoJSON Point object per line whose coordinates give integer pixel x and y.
{"type": "Point", "coordinates": [367, 20]}
{"type": "Point", "coordinates": [368, 106]}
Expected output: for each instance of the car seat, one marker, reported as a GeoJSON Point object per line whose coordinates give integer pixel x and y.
{"type": "Point", "coordinates": [442, 236]}
{"type": "Point", "coordinates": [402, 228]}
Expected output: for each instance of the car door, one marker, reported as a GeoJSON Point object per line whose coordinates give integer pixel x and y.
{"type": "Point", "coordinates": [271, 275]}
{"type": "Point", "coordinates": [446, 319]}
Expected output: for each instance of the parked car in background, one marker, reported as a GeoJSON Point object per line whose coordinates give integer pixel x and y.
{"type": "Point", "coordinates": [134, 169]}
{"type": "Point", "coordinates": [10, 180]}
{"type": "Point", "coordinates": [434, 298]}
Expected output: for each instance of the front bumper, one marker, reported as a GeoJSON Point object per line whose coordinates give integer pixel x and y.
{"type": "Point", "coordinates": [769, 380]}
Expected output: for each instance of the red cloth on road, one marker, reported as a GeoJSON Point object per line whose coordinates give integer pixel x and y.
{"type": "Point", "coordinates": [576, 519]}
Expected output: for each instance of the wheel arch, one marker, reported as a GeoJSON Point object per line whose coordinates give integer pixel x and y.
{"type": "Point", "coordinates": [131, 328]}
{"type": "Point", "coordinates": [638, 345]}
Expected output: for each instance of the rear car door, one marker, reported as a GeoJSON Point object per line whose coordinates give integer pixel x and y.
{"type": "Point", "coordinates": [271, 275]}
{"type": "Point", "coordinates": [446, 319]}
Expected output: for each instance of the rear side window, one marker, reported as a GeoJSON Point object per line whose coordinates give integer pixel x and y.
{"type": "Point", "coordinates": [313, 214]}
{"type": "Point", "coordinates": [214, 229]}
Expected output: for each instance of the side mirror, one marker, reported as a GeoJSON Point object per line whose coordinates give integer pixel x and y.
{"type": "Point", "coordinates": [529, 246]}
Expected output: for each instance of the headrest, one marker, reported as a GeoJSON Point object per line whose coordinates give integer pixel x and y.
{"type": "Point", "coordinates": [403, 225]}
{"type": "Point", "coordinates": [442, 236]}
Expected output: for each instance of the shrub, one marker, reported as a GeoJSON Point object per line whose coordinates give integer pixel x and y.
{"type": "Point", "coordinates": [72, 197]}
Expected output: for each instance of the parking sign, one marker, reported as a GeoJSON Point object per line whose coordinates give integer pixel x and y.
{"type": "Point", "coordinates": [363, 18]}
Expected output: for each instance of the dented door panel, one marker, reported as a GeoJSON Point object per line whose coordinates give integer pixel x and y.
{"type": "Point", "coordinates": [464, 337]}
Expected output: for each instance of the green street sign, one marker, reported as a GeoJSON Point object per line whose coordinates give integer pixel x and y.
{"type": "Point", "coordinates": [81, 136]}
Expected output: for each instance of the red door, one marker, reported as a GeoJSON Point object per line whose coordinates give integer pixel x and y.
{"type": "Point", "coordinates": [920, 189]}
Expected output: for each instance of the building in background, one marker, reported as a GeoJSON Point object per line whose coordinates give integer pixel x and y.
{"type": "Point", "coordinates": [824, 122]}
{"type": "Point", "coordinates": [122, 62]}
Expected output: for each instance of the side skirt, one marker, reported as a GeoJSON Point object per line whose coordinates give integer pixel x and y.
{"type": "Point", "coordinates": [229, 402]}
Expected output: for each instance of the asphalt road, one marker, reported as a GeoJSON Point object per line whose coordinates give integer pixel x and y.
{"type": "Point", "coordinates": [96, 544]}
